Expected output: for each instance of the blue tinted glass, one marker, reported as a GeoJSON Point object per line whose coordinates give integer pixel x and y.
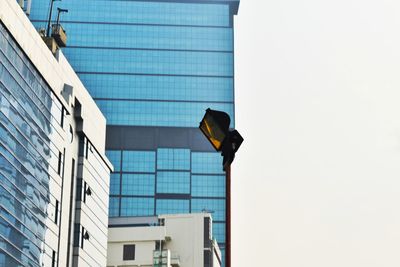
{"type": "Point", "coordinates": [7, 260]}
{"type": "Point", "coordinates": [115, 179]}
{"type": "Point", "coordinates": [137, 12]}
{"type": "Point", "coordinates": [29, 113]}
{"type": "Point", "coordinates": [113, 209]}
{"type": "Point", "coordinates": [158, 113]}
{"type": "Point", "coordinates": [207, 162]}
{"type": "Point", "coordinates": [215, 206]}
{"type": "Point", "coordinates": [42, 160]}
{"type": "Point", "coordinates": [172, 206]}
{"type": "Point", "coordinates": [134, 206]}
{"type": "Point", "coordinates": [138, 184]}
{"type": "Point", "coordinates": [122, 50]}
{"type": "Point", "coordinates": [208, 185]}
{"type": "Point", "coordinates": [150, 62]}
{"type": "Point", "coordinates": [149, 36]}
{"type": "Point", "coordinates": [18, 209]}
{"type": "Point", "coordinates": [115, 157]}
{"type": "Point", "coordinates": [159, 87]}
{"type": "Point", "coordinates": [173, 159]}
{"type": "Point", "coordinates": [29, 248]}
{"type": "Point", "coordinates": [173, 182]}
{"type": "Point", "coordinates": [26, 94]}
{"type": "Point", "coordinates": [138, 161]}
{"type": "Point", "coordinates": [219, 232]}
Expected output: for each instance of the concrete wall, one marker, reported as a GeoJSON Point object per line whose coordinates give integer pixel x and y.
{"type": "Point", "coordinates": [187, 234]}
{"type": "Point", "coordinates": [181, 234]}
{"type": "Point", "coordinates": [144, 239]}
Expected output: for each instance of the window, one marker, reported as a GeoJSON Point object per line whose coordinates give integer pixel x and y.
{"type": "Point", "coordinates": [172, 206]}
{"type": "Point", "coordinates": [56, 212]}
{"type": "Point", "coordinates": [137, 206]}
{"type": "Point", "coordinates": [173, 182]}
{"type": "Point", "coordinates": [60, 164]}
{"type": "Point", "coordinates": [129, 253]}
{"type": "Point", "coordinates": [173, 159]}
{"type": "Point", "coordinates": [53, 259]}
{"type": "Point", "coordinates": [207, 233]}
{"type": "Point", "coordinates": [138, 161]}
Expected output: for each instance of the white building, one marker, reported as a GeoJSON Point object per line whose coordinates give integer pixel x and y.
{"type": "Point", "coordinates": [54, 175]}
{"type": "Point", "coordinates": [181, 240]}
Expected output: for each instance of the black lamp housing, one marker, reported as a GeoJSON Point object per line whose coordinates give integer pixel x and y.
{"type": "Point", "coordinates": [215, 126]}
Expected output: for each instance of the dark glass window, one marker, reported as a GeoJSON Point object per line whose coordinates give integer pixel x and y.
{"type": "Point", "coordinates": [56, 212]}
{"type": "Point", "coordinates": [129, 252]}
{"type": "Point", "coordinates": [60, 163]}
{"type": "Point", "coordinates": [207, 233]}
{"type": "Point", "coordinates": [53, 259]}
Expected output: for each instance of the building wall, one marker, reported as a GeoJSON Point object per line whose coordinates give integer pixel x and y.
{"type": "Point", "coordinates": [187, 234]}
{"type": "Point", "coordinates": [144, 238]}
{"type": "Point", "coordinates": [154, 68]}
{"type": "Point", "coordinates": [182, 234]}
{"type": "Point", "coordinates": [41, 128]}
{"type": "Point", "coordinates": [91, 211]}
{"type": "Point", "coordinates": [31, 176]}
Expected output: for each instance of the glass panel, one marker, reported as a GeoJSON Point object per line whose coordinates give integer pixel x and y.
{"type": "Point", "coordinates": [115, 157]}
{"type": "Point", "coordinates": [149, 37]}
{"type": "Point", "coordinates": [115, 179]}
{"type": "Point", "coordinates": [208, 185]}
{"type": "Point", "coordinates": [173, 182]}
{"type": "Point", "coordinates": [137, 12]}
{"type": "Point", "coordinates": [215, 206]}
{"type": "Point", "coordinates": [172, 206]}
{"type": "Point", "coordinates": [138, 161]}
{"type": "Point", "coordinates": [29, 115]}
{"type": "Point", "coordinates": [133, 206]}
{"type": "Point", "coordinates": [219, 232]}
{"type": "Point", "coordinates": [117, 86]}
{"type": "Point", "coordinates": [138, 184]}
{"type": "Point", "coordinates": [141, 113]}
{"type": "Point", "coordinates": [173, 159]}
{"type": "Point", "coordinates": [114, 207]}
{"type": "Point", "coordinates": [150, 62]}
{"type": "Point", "coordinates": [207, 162]}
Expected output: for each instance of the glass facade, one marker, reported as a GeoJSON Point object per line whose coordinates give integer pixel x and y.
{"type": "Point", "coordinates": [30, 163]}
{"type": "Point", "coordinates": [154, 67]}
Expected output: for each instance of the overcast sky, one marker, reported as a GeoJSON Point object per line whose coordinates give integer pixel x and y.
{"type": "Point", "coordinates": [317, 181]}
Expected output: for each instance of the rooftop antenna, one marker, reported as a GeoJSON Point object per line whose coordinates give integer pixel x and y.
{"type": "Point", "coordinates": [60, 10]}
{"type": "Point", "coordinates": [49, 20]}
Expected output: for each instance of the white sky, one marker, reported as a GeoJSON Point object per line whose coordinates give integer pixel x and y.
{"type": "Point", "coordinates": [317, 181]}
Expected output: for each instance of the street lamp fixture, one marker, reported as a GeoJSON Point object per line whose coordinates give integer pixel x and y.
{"type": "Point", "coordinates": [215, 126]}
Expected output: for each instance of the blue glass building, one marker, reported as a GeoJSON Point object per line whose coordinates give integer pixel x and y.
{"type": "Point", "coordinates": [153, 68]}
{"type": "Point", "coordinates": [29, 160]}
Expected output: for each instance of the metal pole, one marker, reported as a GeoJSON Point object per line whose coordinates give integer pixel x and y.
{"type": "Point", "coordinates": [49, 20]}
{"type": "Point", "coordinates": [58, 16]}
{"type": "Point", "coordinates": [228, 217]}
